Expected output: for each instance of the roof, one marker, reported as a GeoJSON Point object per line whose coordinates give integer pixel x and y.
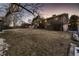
{"type": "Point", "coordinates": [64, 14]}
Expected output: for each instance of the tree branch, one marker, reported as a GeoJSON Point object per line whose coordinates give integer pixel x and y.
{"type": "Point", "coordinates": [24, 8]}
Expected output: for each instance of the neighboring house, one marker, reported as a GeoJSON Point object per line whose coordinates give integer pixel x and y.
{"type": "Point", "coordinates": [25, 25]}
{"type": "Point", "coordinates": [1, 23]}
{"type": "Point", "coordinates": [78, 24]}
{"type": "Point", "coordinates": [58, 22]}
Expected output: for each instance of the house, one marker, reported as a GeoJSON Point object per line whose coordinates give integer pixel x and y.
{"type": "Point", "coordinates": [1, 23]}
{"type": "Point", "coordinates": [25, 25]}
{"type": "Point", "coordinates": [58, 22]}
{"type": "Point", "coordinates": [78, 24]}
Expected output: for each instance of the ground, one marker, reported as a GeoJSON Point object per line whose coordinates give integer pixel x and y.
{"type": "Point", "coordinates": [25, 42]}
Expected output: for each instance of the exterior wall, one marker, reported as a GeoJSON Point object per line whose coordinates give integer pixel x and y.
{"type": "Point", "coordinates": [59, 22]}
{"type": "Point", "coordinates": [56, 22]}
{"type": "Point", "coordinates": [78, 25]}
{"type": "Point", "coordinates": [1, 24]}
{"type": "Point", "coordinates": [65, 27]}
{"type": "Point", "coordinates": [65, 22]}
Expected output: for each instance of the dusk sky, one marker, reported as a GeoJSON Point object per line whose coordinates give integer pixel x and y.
{"type": "Point", "coordinates": [47, 10]}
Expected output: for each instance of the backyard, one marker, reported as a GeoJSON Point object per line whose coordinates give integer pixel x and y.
{"type": "Point", "coordinates": [36, 42]}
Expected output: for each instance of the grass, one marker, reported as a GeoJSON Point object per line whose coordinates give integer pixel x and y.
{"type": "Point", "coordinates": [35, 42]}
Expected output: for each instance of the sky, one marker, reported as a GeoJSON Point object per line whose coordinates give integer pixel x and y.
{"type": "Point", "coordinates": [47, 10]}
{"type": "Point", "coordinates": [3, 7]}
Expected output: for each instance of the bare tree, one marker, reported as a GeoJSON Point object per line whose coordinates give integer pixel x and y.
{"type": "Point", "coordinates": [15, 9]}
